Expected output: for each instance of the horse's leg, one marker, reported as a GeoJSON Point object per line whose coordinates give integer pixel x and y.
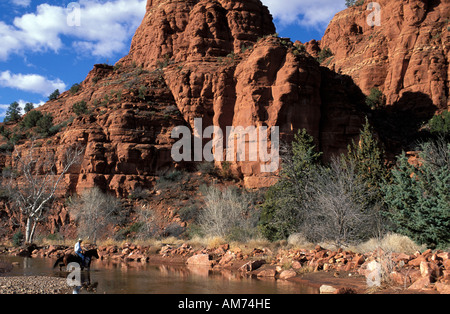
{"type": "Point", "coordinates": [63, 262]}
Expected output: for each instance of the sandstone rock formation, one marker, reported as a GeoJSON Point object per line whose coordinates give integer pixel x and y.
{"type": "Point", "coordinates": [409, 52]}
{"type": "Point", "coordinates": [220, 61]}
{"type": "Point", "coordinates": [217, 61]}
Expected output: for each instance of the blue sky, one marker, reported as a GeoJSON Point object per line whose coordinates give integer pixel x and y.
{"type": "Point", "coordinates": [45, 45]}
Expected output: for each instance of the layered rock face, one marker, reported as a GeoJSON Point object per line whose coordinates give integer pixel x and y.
{"type": "Point", "coordinates": [219, 61]}
{"type": "Point", "coordinates": [211, 60]}
{"type": "Point", "coordinates": [400, 47]}
{"type": "Point", "coordinates": [193, 29]}
{"type": "Point", "coordinates": [222, 65]}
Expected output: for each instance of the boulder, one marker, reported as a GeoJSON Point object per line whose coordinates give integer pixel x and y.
{"type": "Point", "coordinates": [227, 258]}
{"type": "Point", "coordinates": [442, 288]}
{"type": "Point", "coordinates": [327, 289]}
{"type": "Point", "coordinates": [267, 273]}
{"type": "Point", "coordinates": [423, 283]}
{"type": "Point", "coordinates": [200, 260]}
{"type": "Point", "coordinates": [252, 265]}
{"type": "Point", "coordinates": [287, 274]}
{"type": "Point", "coordinates": [430, 270]}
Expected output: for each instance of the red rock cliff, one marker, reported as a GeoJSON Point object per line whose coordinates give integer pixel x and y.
{"type": "Point", "coordinates": [409, 52]}
{"type": "Point", "coordinates": [218, 61]}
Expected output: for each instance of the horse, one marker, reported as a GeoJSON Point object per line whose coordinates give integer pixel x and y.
{"type": "Point", "coordinates": [73, 258]}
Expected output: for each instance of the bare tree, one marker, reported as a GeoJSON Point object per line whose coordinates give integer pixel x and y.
{"type": "Point", "coordinates": [34, 181]}
{"type": "Point", "coordinates": [337, 207]}
{"type": "Point", "coordinates": [95, 211]}
{"type": "Point", "coordinates": [228, 213]}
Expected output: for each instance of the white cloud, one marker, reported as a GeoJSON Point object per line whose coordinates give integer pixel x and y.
{"type": "Point", "coordinates": [32, 83]}
{"type": "Point", "coordinates": [22, 103]}
{"type": "Point", "coordinates": [22, 3]}
{"type": "Point", "coordinates": [107, 25]}
{"type": "Point", "coordinates": [104, 28]}
{"type": "Point", "coordinates": [316, 13]}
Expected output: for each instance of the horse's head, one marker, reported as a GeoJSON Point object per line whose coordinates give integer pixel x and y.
{"type": "Point", "coordinates": [92, 253]}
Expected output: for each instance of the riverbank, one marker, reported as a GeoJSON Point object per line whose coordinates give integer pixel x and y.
{"type": "Point", "coordinates": [33, 285]}
{"type": "Point", "coordinates": [331, 271]}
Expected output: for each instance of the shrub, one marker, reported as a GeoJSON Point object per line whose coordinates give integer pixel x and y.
{"type": "Point", "coordinates": [207, 168]}
{"type": "Point", "coordinates": [7, 148]}
{"type": "Point", "coordinates": [335, 202]}
{"type": "Point", "coordinates": [375, 99]}
{"type": "Point", "coordinates": [54, 95]}
{"type": "Point", "coordinates": [351, 3]}
{"type": "Point", "coordinates": [189, 213]}
{"type": "Point", "coordinates": [324, 54]}
{"type": "Point", "coordinates": [80, 108]}
{"type": "Point", "coordinates": [440, 124]}
{"type": "Point", "coordinates": [17, 238]}
{"type": "Point", "coordinates": [228, 213]}
{"type": "Point", "coordinates": [368, 157]}
{"type": "Point", "coordinates": [94, 211]}
{"type": "Point", "coordinates": [75, 88]}
{"type": "Point", "coordinates": [168, 178]}
{"type": "Point", "coordinates": [31, 119]}
{"type": "Point", "coordinates": [142, 91]}
{"type": "Point", "coordinates": [391, 242]}
{"type": "Point", "coordinates": [337, 206]}
{"type": "Point", "coordinates": [44, 124]}
{"type": "Point", "coordinates": [138, 194]}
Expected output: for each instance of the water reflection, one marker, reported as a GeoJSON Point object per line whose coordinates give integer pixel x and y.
{"type": "Point", "coordinates": [137, 278]}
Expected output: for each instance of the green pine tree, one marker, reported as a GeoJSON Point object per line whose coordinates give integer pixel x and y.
{"type": "Point", "coordinates": [28, 107]}
{"type": "Point", "coordinates": [368, 157]}
{"type": "Point", "coordinates": [418, 197]}
{"type": "Point", "coordinates": [54, 95]}
{"type": "Point", "coordinates": [281, 214]}
{"type": "Point", "coordinates": [13, 112]}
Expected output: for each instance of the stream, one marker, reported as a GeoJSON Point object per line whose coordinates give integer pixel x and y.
{"type": "Point", "coordinates": [135, 278]}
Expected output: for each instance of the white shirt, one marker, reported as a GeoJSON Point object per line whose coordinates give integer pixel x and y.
{"type": "Point", "coordinates": [77, 247]}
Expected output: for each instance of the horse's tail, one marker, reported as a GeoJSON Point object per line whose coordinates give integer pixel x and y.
{"type": "Point", "coordinates": [58, 261]}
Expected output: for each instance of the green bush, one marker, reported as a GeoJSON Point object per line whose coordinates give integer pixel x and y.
{"type": "Point", "coordinates": [75, 88]}
{"type": "Point", "coordinates": [369, 159]}
{"type": "Point", "coordinates": [440, 124]}
{"type": "Point", "coordinates": [54, 95]}
{"type": "Point", "coordinates": [31, 119]}
{"type": "Point", "coordinates": [351, 3]}
{"type": "Point", "coordinates": [17, 238]}
{"type": "Point", "coordinates": [80, 108]}
{"type": "Point", "coordinates": [324, 54]}
{"type": "Point", "coordinates": [7, 148]}
{"type": "Point", "coordinates": [44, 125]}
{"type": "Point", "coordinates": [375, 99]}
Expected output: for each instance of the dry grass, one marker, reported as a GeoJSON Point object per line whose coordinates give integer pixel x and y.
{"type": "Point", "coordinates": [391, 242]}
{"type": "Point", "coordinates": [298, 241]}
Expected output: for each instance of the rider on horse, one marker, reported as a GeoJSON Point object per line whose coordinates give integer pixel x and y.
{"type": "Point", "coordinates": [79, 250]}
